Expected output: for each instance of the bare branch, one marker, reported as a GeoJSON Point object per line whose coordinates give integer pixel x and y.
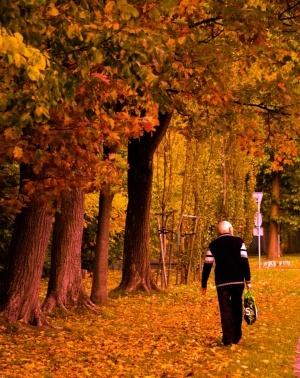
{"type": "Point", "coordinates": [288, 10]}
{"type": "Point", "coordinates": [206, 21]}
{"type": "Point", "coordinates": [270, 109]}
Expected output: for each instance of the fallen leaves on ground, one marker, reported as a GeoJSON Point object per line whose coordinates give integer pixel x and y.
{"type": "Point", "coordinates": [174, 333]}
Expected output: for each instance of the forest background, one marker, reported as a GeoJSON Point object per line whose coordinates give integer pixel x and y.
{"type": "Point", "coordinates": [175, 110]}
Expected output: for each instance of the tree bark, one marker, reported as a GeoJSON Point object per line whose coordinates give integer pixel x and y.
{"type": "Point", "coordinates": [272, 253]}
{"type": "Point", "coordinates": [136, 260]}
{"type": "Point", "coordinates": [19, 292]}
{"type": "Point", "coordinates": [99, 286]}
{"type": "Point", "coordinates": [65, 288]}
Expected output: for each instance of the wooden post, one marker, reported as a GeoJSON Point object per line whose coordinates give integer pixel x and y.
{"type": "Point", "coordinates": [192, 244]}
{"type": "Point", "coordinates": [171, 245]}
{"type": "Point", "coordinates": [161, 239]}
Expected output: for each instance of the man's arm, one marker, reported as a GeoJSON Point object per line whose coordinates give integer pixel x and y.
{"type": "Point", "coordinates": [245, 266]}
{"type": "Point", "coordinates": [208, 263]}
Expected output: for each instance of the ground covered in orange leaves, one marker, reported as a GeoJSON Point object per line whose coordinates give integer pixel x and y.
{"type": "Point", "coordinates": [174, 333]}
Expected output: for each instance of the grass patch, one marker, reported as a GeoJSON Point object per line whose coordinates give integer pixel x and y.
{"type": "Point", "coordinates": [175, 333]}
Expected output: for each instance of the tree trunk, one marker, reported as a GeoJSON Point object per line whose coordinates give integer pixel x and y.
{"type": "Point", "coordinates": [19, 293]}
{"type": "Point", "coordinates": [272, 253]}
{"type": "Point", "coordinates": [136, 259]}
{"type": "Point", "coordinates": [99, 287]}
{"type": "Point", "coordinates": [65, 288]}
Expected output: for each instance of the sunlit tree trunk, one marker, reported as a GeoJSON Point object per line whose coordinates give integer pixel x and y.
{"type": "Point", "coordinates": [272, 253]}
{"type": "Point", "coordinates": [65, 289]}
{"type": "Point", "coordinates": [182, 258]}
{"type": "Point", "coordinates": [99, 286]}
{"type": "Point", "coordinates": [136, 259]}
{"type": "Point", "coordinates": [19, 291]}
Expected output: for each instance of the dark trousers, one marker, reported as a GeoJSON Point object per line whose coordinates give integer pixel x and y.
{"type": "Point", "coordinates": [230, 302]}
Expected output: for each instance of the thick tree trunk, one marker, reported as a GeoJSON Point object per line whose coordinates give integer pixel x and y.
{"type": "Point", "coordinates": [272, 253]}
{"type": "Point", "coordinates": [65, 288]}
{"type": "Point", "coordinates": [99, 287]}
{"type": "Point", "coordinates": [19, 292]}
{"type": "Point", "coordinates": [136, 259]}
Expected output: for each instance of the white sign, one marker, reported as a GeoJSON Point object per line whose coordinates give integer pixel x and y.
{"type": "Point", "coordinates": [258, 197]}
{"type": "Point", "coordinates": [255, 231]}
{"type": "Point", "coordinates": [258, 219]}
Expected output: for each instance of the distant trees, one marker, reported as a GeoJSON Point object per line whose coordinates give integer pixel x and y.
{"type": "Point", "coordinates": [280, 206]}
{"type": "Point", "coordinates": [215, 182]}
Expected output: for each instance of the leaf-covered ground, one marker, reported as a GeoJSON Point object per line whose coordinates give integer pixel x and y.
{"type": "Point", "coordinates": [175, 333]}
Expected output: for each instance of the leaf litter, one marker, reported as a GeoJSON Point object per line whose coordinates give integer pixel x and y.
{"type": "Point", "coordinates": [173, 333]}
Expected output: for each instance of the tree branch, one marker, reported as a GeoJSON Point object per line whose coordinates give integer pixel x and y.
{"type": "Point", "coordinates": [206, 21]}
{"type": "Point", "coordinates": [288, 10]}
{"type": "Point", "coordinates": [274, 110]}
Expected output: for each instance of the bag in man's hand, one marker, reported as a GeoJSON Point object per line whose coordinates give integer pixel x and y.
{"type": "Point", "coordinates": [250, 308]}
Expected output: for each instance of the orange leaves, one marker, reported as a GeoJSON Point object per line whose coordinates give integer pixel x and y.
{"type": "Point", "coordinates": [9, 133]}
{"type": "Point", "coordinates": [18, 152]}
{"type": "Point", "coordinates": [109, 6]}
{"type": "Point", "coordinates": [102, 77]}
{"type": "Point", "coordinates": [172, 334]}
{"type": "Point", "coordinates": [281, 86]}
{"type": "Point", "coordinates": [112, 138]}
{"type": "Point", "coordinates": [181, 40]}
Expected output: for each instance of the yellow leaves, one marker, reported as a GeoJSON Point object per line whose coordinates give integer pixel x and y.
{"type": "Point", "coordinates": [73, 30]}
{"type": "Point", "coordinates": [33, 73]}
{"type": "Point", "coordinates": [12, 44]}
{"type": "Point", "coordinates": [18, 36]}
{"type": "Point", "coordinates": [29, 366]}
{"type": "Point", "coordinates": [37, 60]}
{"type": "Point", "coordinates": [52, 11]}
{"type": "Point", "coordinates": [18, 59]}
{"type": "Point", "coordinates": [41, 110]}
{"type": "Point", "coordinates": [119, 341]}
{"type": "Point", "coordinates": [21, 55]}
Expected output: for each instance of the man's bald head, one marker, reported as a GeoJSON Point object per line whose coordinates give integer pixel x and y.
{"type": "Point", "coordinates": [225, 227]}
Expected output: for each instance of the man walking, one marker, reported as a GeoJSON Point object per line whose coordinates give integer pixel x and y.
{"type": "Point", "coordinates": [231, 271]}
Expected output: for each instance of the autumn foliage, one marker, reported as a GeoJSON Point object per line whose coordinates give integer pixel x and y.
{"type": "Point", "coordinates": [81, 78]}
{"type": "Point", "coordinates": [173, 334]}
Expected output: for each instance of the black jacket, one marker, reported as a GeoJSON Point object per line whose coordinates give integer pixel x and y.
{"type": "Point", "coordinates": [232, 265]}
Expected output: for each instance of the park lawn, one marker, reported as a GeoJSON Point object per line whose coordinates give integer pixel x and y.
{"type": "Point", "coordinates": [175, 333]}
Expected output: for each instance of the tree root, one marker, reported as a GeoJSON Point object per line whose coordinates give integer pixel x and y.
{"type": "Point", "coordinates": [33, 317]}
{"type": "Point", "coordinates": [51, 302]}
{"type": "Point", "coordinates": [137, 283]}
{"type": "Point", "coordinates": [66, 304]}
